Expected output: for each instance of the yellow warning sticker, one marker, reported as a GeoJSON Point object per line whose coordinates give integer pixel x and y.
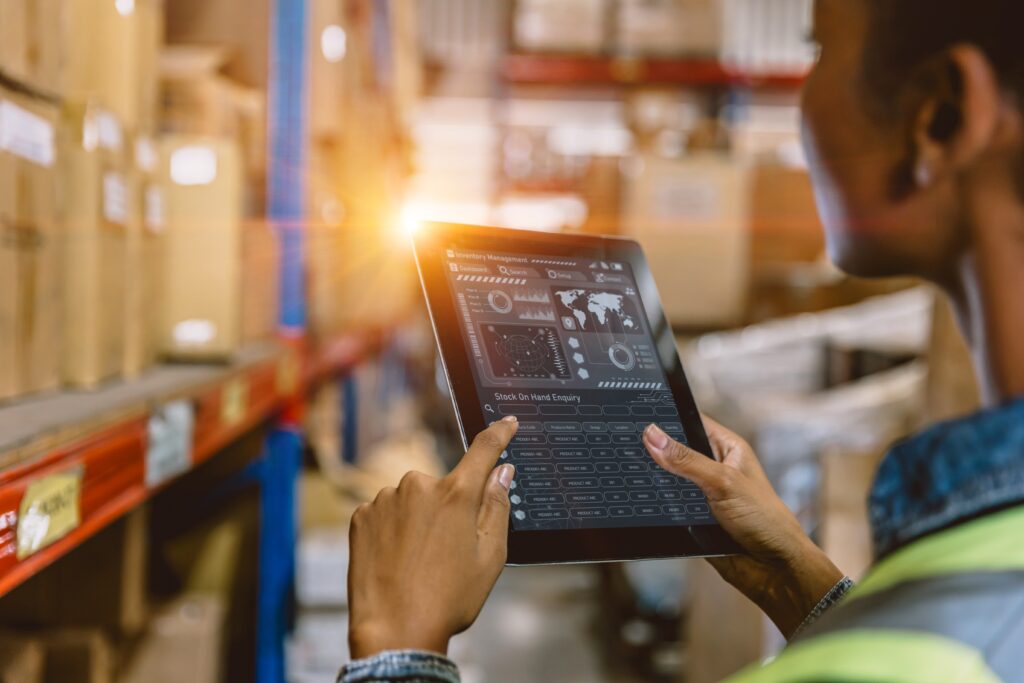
{"type": "Point", "coordinates": [50, 510]}
{"type": "Point", "coordinates": [234, 402]}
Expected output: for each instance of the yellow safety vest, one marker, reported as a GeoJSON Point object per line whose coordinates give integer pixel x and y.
{"type": "Point", "coordinates": [948, 608]}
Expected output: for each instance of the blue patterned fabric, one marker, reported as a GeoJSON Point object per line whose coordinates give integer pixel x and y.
{"type": "Point", "coordinates": [951, 473]}
{"type": "Point", "coordinates": [413, 666]}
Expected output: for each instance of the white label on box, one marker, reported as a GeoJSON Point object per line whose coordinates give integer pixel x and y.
{"type": "Point", "coordinates": [109, 131]}
{"type": "Point", "coordinates": [125, 7]}
{"type": "Point", "coordinates": [154, 209]}
{"type": "Point", "coordinates": [115, 199]}
{"type": "Point", "coordinates": [194, 165]}
{"type": "Point", "coordinates": [191, 333]}
{"type": "Point", "coordinates": [145, 155]}
{"type": "Point", "coordinates": [27, 135]}
{"type": "Point", "coordinates": [689, 200]}
{"type": "Point", "coordinates": [169, 450]}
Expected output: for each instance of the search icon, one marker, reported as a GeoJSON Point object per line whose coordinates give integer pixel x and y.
{"type": "Point", "coordinates": [488, 408]}
{"type": "Point", "coordinates": [503, 270]}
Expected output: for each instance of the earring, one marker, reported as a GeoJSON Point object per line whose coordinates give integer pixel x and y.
{"type": "Point", "coordinates": [923, 174]}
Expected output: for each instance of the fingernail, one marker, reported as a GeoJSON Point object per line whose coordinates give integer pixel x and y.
{"type": "Point", "coordinates": [658, 438]}
{"type": "Point", "coordinates": [510, 418]}
{"type": "Point", "coordinates": [505, 475]}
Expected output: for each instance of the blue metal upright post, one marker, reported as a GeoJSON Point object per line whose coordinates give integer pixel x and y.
{"type": "Point", "coordinates": [286, 202]}
{"type": "Point", "coordinates": [278, 478]}
{"type": "Point", "coordinates": [288, 133]}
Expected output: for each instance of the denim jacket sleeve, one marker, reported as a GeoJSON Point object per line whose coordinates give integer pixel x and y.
{"type": "Point", "coordinates": [411, 666]}
{"type": "Point", "coordinates": [830, 600]}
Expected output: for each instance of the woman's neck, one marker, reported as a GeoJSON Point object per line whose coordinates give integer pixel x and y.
{"type": "Point", "coordinates": [990, 300]}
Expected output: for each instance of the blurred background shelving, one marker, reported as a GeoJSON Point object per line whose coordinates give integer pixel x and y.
{"type": "Point", "coordinates": [212, 346]}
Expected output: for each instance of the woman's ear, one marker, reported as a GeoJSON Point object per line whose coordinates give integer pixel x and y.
{"type": "Point", "coordinates": [957, 117]}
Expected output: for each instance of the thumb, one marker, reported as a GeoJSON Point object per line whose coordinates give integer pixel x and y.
{"type": "Point", "coordinates": [682, 460]}
{"type": "Point", "coordinates": [492, 524]}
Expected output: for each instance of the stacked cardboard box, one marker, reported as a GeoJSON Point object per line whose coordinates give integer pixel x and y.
{"type": "Point", "coordinates": [692, 217]}
{"type": "Point", "coordinates": [573, 26]}
{"type": "Point", "coordinates": [184, 642]}
{"type": "Point", "coordinates": [95, 168]}
{"type": "Point", "coordinates": [33, 42]}
{"type": "Point", "coordinates": [203, 250]}
{"type": "Point", "coordinates": [143, 260]}
{"type": "Point", "coordinates": [197, 99]}
{"type": "Point", "coordinates": [30, 249]}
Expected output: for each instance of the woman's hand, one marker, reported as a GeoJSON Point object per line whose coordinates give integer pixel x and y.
{"type": "Point", "coordinates": [425, 556]}
{"type": "Point", "coordinates": [785, 574]}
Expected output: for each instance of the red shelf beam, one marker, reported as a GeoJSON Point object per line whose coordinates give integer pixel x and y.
{"type": "Point", "coordinates": [111, 463]}
{"type": "Point", "coordinates": [526, 69]}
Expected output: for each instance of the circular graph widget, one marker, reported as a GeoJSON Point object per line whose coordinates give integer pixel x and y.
{"type": "Point", "coordinates": [622, 357]}
{"type": "Point", "coordinates": [500, 301]}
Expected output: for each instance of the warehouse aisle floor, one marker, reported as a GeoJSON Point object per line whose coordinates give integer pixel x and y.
{"type": "Point", "coordinates": [538, 627]}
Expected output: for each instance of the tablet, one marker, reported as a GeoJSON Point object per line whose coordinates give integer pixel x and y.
{"type": "Point", "coordinates": [567, 333]}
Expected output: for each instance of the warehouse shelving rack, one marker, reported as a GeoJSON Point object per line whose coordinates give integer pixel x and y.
{"type": "Point", "coordinates": [88, 458]}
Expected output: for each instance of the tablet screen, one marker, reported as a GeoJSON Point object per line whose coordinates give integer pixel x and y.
{"type": "Point", "coordinates": [565, 345]}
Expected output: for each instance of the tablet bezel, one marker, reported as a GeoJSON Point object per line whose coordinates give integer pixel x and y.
{"type": "Point", "coordinates": [576, 545]}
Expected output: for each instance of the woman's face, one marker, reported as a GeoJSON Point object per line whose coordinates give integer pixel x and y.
{"type": "Point", "coordinates": [876, 223]}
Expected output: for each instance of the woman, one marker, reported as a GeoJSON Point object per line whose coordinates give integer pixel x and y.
{"type": "Point", "coordinates": [915, 135]}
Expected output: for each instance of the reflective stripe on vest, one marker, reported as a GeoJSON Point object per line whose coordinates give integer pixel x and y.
{"type": "Point", "coordinates": [955, 597]}
{"type": "Point", "coordinates": [874, 656]}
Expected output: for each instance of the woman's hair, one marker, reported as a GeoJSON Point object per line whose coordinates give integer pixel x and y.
{"type": "Point", "coordinates": [905, 35]}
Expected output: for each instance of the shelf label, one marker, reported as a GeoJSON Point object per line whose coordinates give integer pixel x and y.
{"type": "Point", "coordinates": [50, 510]}
{"type": "Point", "coordinates": [169, 450]}
{"type": "Point", "coordinates": [234, 402]}
{"type": "Point", "coordinates": [288, 370]}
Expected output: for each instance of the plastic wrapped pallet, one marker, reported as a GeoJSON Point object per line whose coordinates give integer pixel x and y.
{"type": "Point", "coordinates": [764, 36]}
{"type": "Point", "coordinates": [669, 27]}
{"type": "Point", "coordinates": [31, 296]}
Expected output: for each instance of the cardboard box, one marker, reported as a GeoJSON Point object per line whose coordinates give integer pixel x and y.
{"type": "Point", "coordinates": [78, 656]}
{"type": "Point", "coordinates": [692, 218]}
{"type": "Point", "coordinates": [669, 27]}
{"type": "Point", "coordinates": [198, 99]}
{"type": "Point", "coordinates": [260, 280]}
{"type": "Point", "coordinates": [844, 531]}
{"type": "Point", "coordinates": [784, 216]}
{"type": "Point", "coordinates": [102, 60]}
{"type": "Point", "coordinates": [573, 26]}
{"type": "Point", "coordinates": [30, 248]}
{"type": "Point", "coordinates": [33, 42]}
{"type": "Point", "coordinates": [144, 261]}
{"type": "Point", "coordinates": [241, 26]}
{"type": "Point", "coordinates": [101, 584]}
{"type": "Point", "coordinates": [14, 37]}
{"type": "Point", "coordinates": [328, 43]}
{"type": "Point", "coordinates": [149, 35]}
{"type": "Point", "coordinates": [953, 387]}
{"type": "Point", "coordinates": [202, 177]}
{"type": "Point", "coordinates": [184, 642]}
{"type": "Point", "coordinates": [21, 659]}
{"type": "Point", "coordinates": [97, 215]}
